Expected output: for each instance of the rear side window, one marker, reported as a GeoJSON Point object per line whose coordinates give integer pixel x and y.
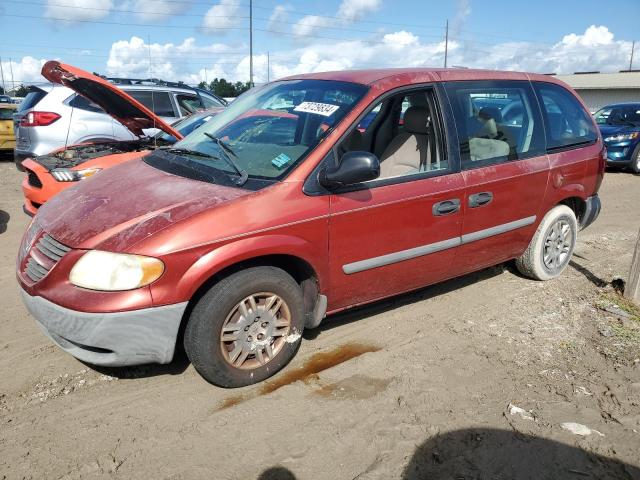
{"type": "Point", "coordinates": [78, 101]}
{"type": "Point", "coordinates": [158, 102]}
{"type": "Point", "coordinates": [567, 123]}
{"type": "Point", "coordinates": [497, 121]}
{"type": "Point", "coordinates": [188, 104]}
{"type": "Point", "coordinates": [32, 99]}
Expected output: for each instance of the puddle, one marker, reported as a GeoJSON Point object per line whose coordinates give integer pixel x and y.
{"type": "Point", "coordinates": [356, 387]}
{"type": "Point", "coordinates": [306, 373]}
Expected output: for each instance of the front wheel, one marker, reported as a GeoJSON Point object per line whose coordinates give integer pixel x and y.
{"type": "Point", "coordinates": [551, 247]}
{"type": "Point", "coordinates": [635, 160]}
{"type": "Point", "coordinates": [246, 327]}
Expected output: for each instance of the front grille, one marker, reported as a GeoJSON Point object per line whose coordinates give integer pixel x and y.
{"type": "Point", "coordinates": [33, 179]}
{"type": "Point", "coordinates": [45, 254]}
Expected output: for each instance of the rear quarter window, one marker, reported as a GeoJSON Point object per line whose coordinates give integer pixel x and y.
{"type": "Point", "coordinates": [32, 99]}
{"type": "Point", "coordinates": [158, 102]}
{"type": "Point", "coordinates": [567, 123]}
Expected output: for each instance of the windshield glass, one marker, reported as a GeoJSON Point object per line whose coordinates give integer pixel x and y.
{"type": "Point", "coordinates": [186, 125]}
{"type": "Point", "coordinates": [268, 130]}
{"type": "Point", "coordinates": [621, 115]}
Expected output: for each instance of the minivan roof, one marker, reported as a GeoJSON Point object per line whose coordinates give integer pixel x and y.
{"type": "Point", "coordinates": [417, 75]}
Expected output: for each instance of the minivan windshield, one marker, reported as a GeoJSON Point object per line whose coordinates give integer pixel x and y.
{"type": "Point", "coordinates": [265, 132]}
{"type": "Point", "coordinates": [619, 115]}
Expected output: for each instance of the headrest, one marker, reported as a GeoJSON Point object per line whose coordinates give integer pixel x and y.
{"type": "Point", "coordinates": [415, 119]}
{"type": "Point", "coordinates": [490, 113]}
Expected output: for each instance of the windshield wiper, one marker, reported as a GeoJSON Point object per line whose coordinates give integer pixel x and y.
{"type": "Point", "coordinates": [226, 151]}
{"type": "Point", "coordinates": [187, 151]}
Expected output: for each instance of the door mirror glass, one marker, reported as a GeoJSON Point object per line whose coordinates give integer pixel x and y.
{"type": "Point", "coordinates": [354, 167]}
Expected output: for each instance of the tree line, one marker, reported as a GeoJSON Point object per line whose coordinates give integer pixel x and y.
{"type": "Point", "coordinates": [223, 88]}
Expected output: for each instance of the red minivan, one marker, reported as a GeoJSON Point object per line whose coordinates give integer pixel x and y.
{"type": "Point", "coordinates": [308, 196]}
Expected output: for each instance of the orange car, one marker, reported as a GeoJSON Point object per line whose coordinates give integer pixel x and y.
{"type": "Point", "coordinates": [49, 174]}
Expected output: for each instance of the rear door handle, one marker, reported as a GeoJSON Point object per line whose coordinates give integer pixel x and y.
{"type": "Point", "coordinates": [480, 199]}
{"type": "Point", "coordinates": [446, 207]}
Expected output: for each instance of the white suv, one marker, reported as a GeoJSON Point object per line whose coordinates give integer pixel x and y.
{"type": "Point", "coordinates": [51, 116]}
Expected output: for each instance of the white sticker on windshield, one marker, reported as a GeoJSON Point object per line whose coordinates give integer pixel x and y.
{"type": "Point", "coordinates": [324, 109]}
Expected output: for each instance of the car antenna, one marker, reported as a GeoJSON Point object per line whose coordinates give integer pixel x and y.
{"type": "Point", "coordinates": [153, 105]}
{"type": "Point", "coordinates": [66, 140]}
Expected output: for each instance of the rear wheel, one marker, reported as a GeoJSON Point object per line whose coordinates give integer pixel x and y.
{"type": "Point", "coordinates": [246, 327]}
{"type": "Point", "coordinates": [551, 247]}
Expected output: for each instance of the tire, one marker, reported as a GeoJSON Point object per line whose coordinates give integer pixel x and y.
{"type": "Point", "coordinates": [635, 160]}
{"type": "Point", "coordinates": [222, 306]}
{"type": "Point", "coordinates": [545, 258]}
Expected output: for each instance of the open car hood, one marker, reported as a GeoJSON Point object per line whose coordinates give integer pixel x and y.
{"type": "Point", "coordinates": [115, 102]}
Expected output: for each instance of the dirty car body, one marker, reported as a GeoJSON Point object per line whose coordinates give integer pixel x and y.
{"type": "Point", "coordinates": [256, 226]}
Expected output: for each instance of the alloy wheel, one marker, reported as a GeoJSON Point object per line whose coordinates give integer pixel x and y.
{"type": "Point", "coordinates": [255, 330]}
{"type": "Point", "coordinates": [557, 245]}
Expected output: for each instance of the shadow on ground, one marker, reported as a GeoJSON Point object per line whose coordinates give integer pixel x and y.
{"type": "Point", "coordinates": [483, 453]}
{"type": "Point", "coordinates": [4, 221]}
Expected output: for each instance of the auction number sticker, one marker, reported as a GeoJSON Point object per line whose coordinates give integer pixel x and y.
{"type": "Point", "coordinates": [324, 109]}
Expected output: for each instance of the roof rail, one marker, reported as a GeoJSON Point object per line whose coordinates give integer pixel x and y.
{"type": "Point", "coordinates": [144, 81]}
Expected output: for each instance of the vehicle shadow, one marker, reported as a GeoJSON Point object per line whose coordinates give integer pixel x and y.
{"type": "Point", "coordinates": [422, 294]}
{"type": "Point", "coordinates": [177, 366]}
{"type": "Point", "coordinates": [491, 453]}
{"type": "Point", "coordinates": [485, 453]}
{"type": "Point", "coordinates": [4, 221]}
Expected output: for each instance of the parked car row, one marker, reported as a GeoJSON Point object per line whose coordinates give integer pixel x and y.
{"type": "Point", "coordinates": [304, 197]}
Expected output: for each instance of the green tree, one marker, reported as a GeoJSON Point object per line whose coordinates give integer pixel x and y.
{"type": "Point", "coordinates": [21, 91]}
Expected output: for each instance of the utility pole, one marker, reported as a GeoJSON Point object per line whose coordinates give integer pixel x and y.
{"type": "Point", "coordinates": [13, 84]}
{"type": "Point", "coordinates": [268, 67]}
{"type": "Point", "coordinates": [446, 43]}
{"type": "Point", "coordinates": [250, 43]}
{"type": "Point", "coordinates": [4, 87]}
{"type": "Point", "coordinates": [633, 47]}
{"type": "Point", "coordinates": [206, 80]}
{"type": "Point", "coordinates": [632, 288]}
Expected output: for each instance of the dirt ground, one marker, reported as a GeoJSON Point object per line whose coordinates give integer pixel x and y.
{"type": "Point", "coordinates": [425, 386]}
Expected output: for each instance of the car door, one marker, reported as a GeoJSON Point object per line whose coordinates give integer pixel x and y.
{"type": "Point", "coordinates": [504, 166]}
{"type": "Point", "coordinates": [400, 232]}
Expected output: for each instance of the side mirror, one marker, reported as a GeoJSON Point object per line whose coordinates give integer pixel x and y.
{"type": "Point", "coordinates": [355, 167]}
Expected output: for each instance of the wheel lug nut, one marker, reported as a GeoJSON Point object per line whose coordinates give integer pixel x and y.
{"type": "Point", "coordinates": [260, 336]}
{"type": "Point", "coordinates": [264, 325]}
{"type": "Point", "coordinates": [249, 338]}
{"type": "Point", "coordinates": [246, 329]}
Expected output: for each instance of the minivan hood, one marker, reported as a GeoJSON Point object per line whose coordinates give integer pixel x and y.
{"type": "Point", "coordinates": [125, 204]}
{"type": "Point", "coordinates": [115, 102]}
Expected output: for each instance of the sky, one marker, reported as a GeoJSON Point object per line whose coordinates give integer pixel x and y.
{"type": "Point", "coordinates": [195, 40]}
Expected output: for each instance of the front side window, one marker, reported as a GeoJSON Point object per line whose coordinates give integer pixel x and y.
{"type": "Point", "coordinates": [567, 123]}
{"type": "Point", "coordinates": [403, 131]}
{"type": "Point", "coordinates": [158, 102]}
{"type": "Point", "coordinates": [188, 104]}
{"type": "Point", "coordinates": [628, 115]}
{"type": "Point", "coordinates": [496, 121]}
{"type": "Point", "coordinates": [268, 130]}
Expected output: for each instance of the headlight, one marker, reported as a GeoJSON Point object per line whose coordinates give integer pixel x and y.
{"type": "Point", "coordinates": [622, 137]}
{"type": "Point", "coordinates": [68, 175]}
{"type": "Point", "coordinates": [98, 270]}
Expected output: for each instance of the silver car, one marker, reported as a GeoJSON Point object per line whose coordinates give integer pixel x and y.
{"type": "Point", "coordinates": [53, 116]}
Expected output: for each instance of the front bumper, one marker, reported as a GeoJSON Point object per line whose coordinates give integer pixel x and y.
{"type": "Point", "coordinates": [591, 211]}
{"type": "Point", "coordinates": [110, 339]}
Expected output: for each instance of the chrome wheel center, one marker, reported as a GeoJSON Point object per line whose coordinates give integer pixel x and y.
{"type": "Point", "coordinates": [254, 332]}
{"type": "Point", "coordinates": [557, 245]}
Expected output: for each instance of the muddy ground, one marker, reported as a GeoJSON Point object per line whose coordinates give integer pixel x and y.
{"type": "Point", "coordinates": [416, 387]}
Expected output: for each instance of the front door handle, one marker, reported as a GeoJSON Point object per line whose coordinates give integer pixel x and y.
{"type": "Point", "coordinates": [446, 207]}
{"type": "Point", "coordinates": [480, 199]}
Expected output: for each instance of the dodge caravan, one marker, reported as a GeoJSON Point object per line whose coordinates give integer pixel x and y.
{"type": "Point", "coordinates": [285, 208]}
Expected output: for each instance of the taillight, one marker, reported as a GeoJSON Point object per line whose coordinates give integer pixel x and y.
{"type": "Point", "coordinates": [39, 119]}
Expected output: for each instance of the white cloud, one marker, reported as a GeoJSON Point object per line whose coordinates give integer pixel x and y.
{"type": "Point", "coordinates": [155, 10]}
{"type": "Point", "coordinates": [27, 70]}
{"type": "Point", "coordinates": [221, 16]}
{"type": "Point", "coordinates": [130, 58]}
{"type": "Point", "coordinates": [353, 10]}
{"type": "Point", "coordinates": [279, 15]}
{"type": "Point", "coordinates": [310, 24]}
{"type": "Point", "coordinates": [463, 10]}
{"type": "Point", "coordinates": [78, 10]}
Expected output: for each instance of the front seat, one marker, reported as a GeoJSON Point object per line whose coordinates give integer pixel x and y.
{"type": "Point", "coordinates": [408, 152]}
